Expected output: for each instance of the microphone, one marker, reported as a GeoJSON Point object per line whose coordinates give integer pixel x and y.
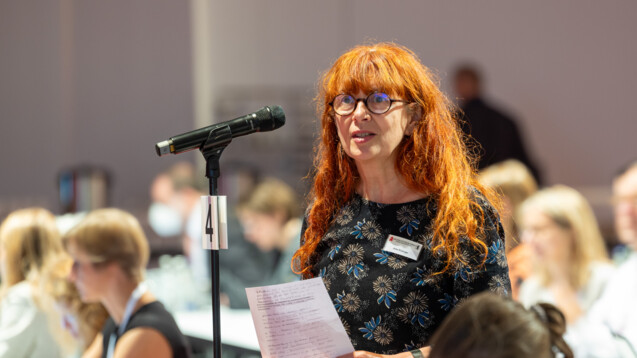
{"type": "Point", "coordinates": [264, 120]}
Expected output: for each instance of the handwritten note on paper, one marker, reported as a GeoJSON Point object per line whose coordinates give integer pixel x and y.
{"type": "Point", "coordinates": [297, 319]}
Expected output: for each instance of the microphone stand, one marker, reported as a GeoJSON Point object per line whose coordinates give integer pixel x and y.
{"type": "Point", "coordinates": [217, 141]}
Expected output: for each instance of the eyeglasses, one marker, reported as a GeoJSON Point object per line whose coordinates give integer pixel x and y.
{"type": "Point", "coordinates": [377, 103]}
{"type": "Point", "coordinates": [79, 264]}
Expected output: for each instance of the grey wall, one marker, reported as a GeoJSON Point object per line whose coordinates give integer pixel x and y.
{"type": "Point", "coordinates": [89, 82]}
{"type": "Point", "coordinates": [101, 82]}
{"type": "Point", "coordinates": [565, 69]}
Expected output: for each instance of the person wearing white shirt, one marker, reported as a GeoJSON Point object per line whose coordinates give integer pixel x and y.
{"type": "Point", "coordinates": [569, 252]}
{"type": "Point", "coordinates": [29, 241]}
{"type": "Point", "coordinates": [609, 329]}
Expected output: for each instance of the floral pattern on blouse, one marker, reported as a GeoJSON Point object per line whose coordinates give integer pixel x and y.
{"type": "Point", "coordinates": [389, 303]}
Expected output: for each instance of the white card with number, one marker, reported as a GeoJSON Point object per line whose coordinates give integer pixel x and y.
{"type": "Point", "coordinates": [214, 222]}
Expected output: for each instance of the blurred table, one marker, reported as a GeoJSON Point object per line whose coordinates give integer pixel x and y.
{"type": "Point", "coordinates": [237, 328]}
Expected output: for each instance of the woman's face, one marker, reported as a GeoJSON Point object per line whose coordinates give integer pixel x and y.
{"type": "Point", "coordinates": [89, 278]}
{"type": "Point", "coordinates": [549, 241]}
{"type": "Point", "coordinates": [370, 138]}
{"type": "Point", "coordinates": [261, 229]}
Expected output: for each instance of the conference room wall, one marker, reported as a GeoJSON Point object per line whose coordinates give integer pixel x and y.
{"type": "Point", "coordinates": [101, 82]}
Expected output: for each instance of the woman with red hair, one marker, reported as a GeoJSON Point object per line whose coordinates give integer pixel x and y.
{"type": "Point", "coordinates": [399, 228]}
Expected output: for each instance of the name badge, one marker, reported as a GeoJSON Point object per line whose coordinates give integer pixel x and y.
{"type": "Point", "coordinates": [403, 247]}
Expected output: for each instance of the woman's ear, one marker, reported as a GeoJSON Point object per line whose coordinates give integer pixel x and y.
{"type": "Point", "coordinates": [416, 114]}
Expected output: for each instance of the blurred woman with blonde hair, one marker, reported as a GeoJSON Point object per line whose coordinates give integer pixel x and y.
{"type": "Point", "coordinates": [568, 249]}
{"type": "Point", "coordinates": [110, 253]}
{"type": "Point", "coordinates": [83, 321]}
{"type": "Point", "coordinates": [29, 241]}
{"type": "Point", "coordinates": [515, 182]}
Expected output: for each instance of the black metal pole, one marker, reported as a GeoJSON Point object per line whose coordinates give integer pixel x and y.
{"type": "Point", "coordinates": [212, 175]}
{"type": "Point", "coordinates": [212, 149]}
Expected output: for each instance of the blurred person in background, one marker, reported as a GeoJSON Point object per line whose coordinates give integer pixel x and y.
{"type": "Point", "coordinates": [271, 219]}
{"type": "Point", "coordinates": [176, 211]}
{"type": "Point", "coordinates": [569, 253]}
{"type": "Point", "coordinates": [110, 253]}
{"type": "Point", "coordinates": [488, 325]}
{"type": "Point", "coordinates": [625, 208]}
{"type": "Point", "coordinates": [29, 241]}
{"type": "Point", "coordinates": [82, 320]}
{"type": "Point", "coordinates": [609, 329]}
{"type": "Point", "coordinates": [496, 132]}
{"type": "Point", "coordinates": [515, 182]}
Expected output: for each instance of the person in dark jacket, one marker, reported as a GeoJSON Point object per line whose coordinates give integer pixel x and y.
{"type": "Point", "coordinates": [495, 132]}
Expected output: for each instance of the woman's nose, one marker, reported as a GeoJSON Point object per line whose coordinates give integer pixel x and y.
{"type": "Point", "coordinates": [360, 112]}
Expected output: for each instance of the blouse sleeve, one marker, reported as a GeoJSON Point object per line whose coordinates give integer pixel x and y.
{"type": "Point", "coordinates": [473, 276]}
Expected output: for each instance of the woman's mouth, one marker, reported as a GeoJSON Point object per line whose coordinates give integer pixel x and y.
{"type": "Point", "coordinates": [361, 137]}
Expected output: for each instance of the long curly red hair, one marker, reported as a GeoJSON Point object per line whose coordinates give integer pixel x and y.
{"type": "Point", "coordinates": [433, 160]}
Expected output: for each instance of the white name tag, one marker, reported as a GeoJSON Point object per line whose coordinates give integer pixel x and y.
{"type": "Point", "coordinates": [403, 247]}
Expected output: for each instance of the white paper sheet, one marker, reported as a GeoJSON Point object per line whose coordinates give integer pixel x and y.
{"type": "Point", "coordinates": [297, 319]}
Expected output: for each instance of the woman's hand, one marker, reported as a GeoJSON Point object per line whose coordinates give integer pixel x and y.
{"type": "Point", "coordinates": [365, 354]}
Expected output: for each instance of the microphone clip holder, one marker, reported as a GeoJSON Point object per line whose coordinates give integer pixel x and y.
{"type": "Point", "coordinates": [212, 148]}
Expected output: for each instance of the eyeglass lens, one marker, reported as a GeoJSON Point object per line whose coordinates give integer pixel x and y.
{"type": "Point", "coordinates": [376, 102]}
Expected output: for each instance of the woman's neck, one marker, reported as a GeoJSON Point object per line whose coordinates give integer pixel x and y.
{"type": "Point", "coordinates": [116, 300]}
{"type": "Point", "coordinates": [560, 273]}
{"type": "Point", "coordinates": [384, 185]}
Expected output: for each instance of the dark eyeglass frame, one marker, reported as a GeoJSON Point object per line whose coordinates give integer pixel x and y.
{"type": "Point", "coordinates": [95, 263]}
{"type": "Point", "coordinates": [364, 100]}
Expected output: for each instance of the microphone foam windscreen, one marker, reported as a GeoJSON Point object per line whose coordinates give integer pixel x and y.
{"type": "Point", "coordinates": [271, 118]}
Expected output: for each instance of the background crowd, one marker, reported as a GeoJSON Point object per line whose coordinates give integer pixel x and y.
{"type": "Point", "coordinates": [65, 289]}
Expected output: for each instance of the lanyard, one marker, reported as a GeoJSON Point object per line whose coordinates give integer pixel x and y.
{"type": "Point", "coordinates": [130, 305]}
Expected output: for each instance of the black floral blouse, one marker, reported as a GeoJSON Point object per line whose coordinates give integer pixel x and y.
{"type": "Point", "coordinates": [389, 303]}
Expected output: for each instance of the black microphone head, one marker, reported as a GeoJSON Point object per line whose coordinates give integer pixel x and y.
{"type": "Point", "coordinates": [270, 118]}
